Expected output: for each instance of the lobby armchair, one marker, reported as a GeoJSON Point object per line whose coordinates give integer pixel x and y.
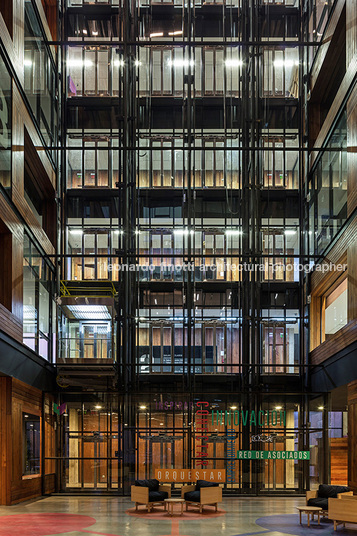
{"type": "Point", "coordinates": [150, 493]}
{"type": "Point", "coordinates": [325, 492]}
{"type": "Point", "coordinates": [202, 494]}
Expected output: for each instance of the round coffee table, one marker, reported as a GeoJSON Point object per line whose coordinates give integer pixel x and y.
{"type": "Point", "coordinates": [310, 511]}
{"type": "Point", "coordinates": [171, 503]}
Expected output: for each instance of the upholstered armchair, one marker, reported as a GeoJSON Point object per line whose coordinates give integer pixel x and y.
{"type": "Point", "coordinates": [325, 492]}
{"type": "Point", "coordinates": [202, 494]}
{"type": "Point", "coordinates": [150, 493]}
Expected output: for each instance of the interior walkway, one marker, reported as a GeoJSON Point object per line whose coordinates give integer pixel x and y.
{"type": "Point", "coordinates": [113, 516]}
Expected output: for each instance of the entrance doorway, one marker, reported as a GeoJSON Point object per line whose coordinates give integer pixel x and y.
{"type": "Point", "coordinates": [91, 446]}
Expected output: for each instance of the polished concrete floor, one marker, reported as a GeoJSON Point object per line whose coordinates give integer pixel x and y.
{"type": "Point", "coordinates": [112, 516]}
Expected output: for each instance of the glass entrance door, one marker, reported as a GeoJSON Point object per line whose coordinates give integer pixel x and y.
{"type": "Point", "coordinates": [91, 448]}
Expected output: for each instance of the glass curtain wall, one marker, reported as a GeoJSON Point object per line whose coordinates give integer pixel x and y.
{"type": "Point", "coordinates": [182, 182]}
{"type": "Point", "coordinates": [39, 309]}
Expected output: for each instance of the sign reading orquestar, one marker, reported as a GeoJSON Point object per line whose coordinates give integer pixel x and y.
{"type": "Point", "coordinates": [273, 454]}
{"type": "Point", "coordinates": [190, 475]}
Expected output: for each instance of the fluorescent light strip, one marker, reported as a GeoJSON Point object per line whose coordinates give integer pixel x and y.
{"type": "Point", "coordinates": [233, 63]}
{"type": "Point", "coordinates": [181, 63]}
{"type": "Point", "coordinates": [234, 232]}
{"type": "Point", "coordinates": [285, 63]}
{"type": "Point", "coordinates": [90, 312]}
{"type": "Point", "coordinates": [79, 63]}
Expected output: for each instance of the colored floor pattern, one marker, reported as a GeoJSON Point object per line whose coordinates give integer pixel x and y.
{"type": "Point", "coordinates": [114, 516]}
{"type": "Point", "coordinates": [289, 524]}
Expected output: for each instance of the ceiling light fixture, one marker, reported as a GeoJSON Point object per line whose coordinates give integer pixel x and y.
{"type": "Point", "coordinates": [90, 312]}
{"type": "Point", "coordinates": [181, 63]}
{"type": "Point", "coordinates": [177, 32]}
{"type": "Point", "coordinates": [285, 63]}
{"type": "Point", "coordinates": [233, 63]}
{"type": "Point", "coordinates": [157, 34]}
{"type": "Point", "coordinates": [79, 63]}
{"type": "Point", "coordinates": [233, 232]}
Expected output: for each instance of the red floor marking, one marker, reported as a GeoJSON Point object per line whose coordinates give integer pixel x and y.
{"type": "Point", "coordinates": [43, 524]}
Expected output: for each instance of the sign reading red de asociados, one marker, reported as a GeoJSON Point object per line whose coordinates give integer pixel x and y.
{"type": "Point", "coordinates": [190, 475]}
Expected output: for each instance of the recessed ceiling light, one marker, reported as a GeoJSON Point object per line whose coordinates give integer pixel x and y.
{"type": "Point", "coordinates": [320, 407]}
{"type": "Point", "coordinates": [233, 407]}
{"type": "Point", "coordinates": [142, 407]}
{"type": "Point", "coordinates": [98, 407]}
{"type": "Point", "coordinates": [278, 407]}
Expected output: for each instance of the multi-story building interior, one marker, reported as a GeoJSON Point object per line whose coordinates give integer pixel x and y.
{"type": "Point", "coordinates": [178, 225]}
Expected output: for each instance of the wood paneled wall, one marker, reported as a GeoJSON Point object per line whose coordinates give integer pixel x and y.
{"type": "Point", "coordinates": [352, 435]}
{"type": "Point", "coordinates": [5, 440]}
{"type": "Point", "coordinates": [343, 252]}
{"type": "Point", "coordinates": [17, 398]}
{"type": "Point", "coordinates": [339, 461]}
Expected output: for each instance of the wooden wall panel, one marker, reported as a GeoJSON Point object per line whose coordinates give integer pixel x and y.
{"type": "Point", "coordinates": [345, 336]}
{"type": "Point", "coordinates": [17, 398]}
{"type": "Point", "coordinates": [11, 317]}
{"type": "Point", "coordinates": [339, 461]}
{"type": "Point", "coordinates": [352, 280]}
{"type": "Point", "coordinates": [352, 435]}
{"type": "Point", "coordinates": [5, 440]}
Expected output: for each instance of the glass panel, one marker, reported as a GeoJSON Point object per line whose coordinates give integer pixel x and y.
{"type": "Point", "coordinates": [32, 444]}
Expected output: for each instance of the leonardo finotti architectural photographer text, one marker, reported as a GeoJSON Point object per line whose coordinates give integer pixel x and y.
{"type": "Point", "coordinates": [226, 267]}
